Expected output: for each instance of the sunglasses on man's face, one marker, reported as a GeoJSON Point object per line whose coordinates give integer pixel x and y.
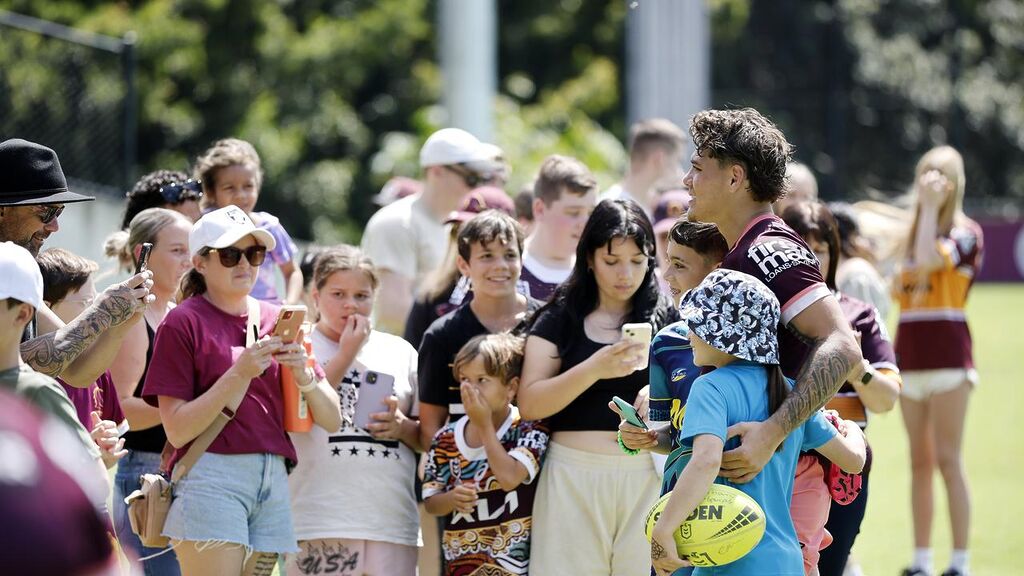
{"type": "Point", "coordinates": [471, 178]}
{"type": "Point", "coordinates": [179, 192]}
{"type": "Point", "coordinates": [231, 256]}
{"type": "Point", "coordinates": [49, 212]}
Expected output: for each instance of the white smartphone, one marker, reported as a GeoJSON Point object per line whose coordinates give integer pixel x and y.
{"type": "Point", "coordinates": [375, 387]}
{"type": "Point", "coordinates": [642, 333]}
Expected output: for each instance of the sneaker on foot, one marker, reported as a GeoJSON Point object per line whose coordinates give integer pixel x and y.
{"type": "Point", "coordinates": [914, 572]}
{"type": "Point", "coordinates": [954, 572]}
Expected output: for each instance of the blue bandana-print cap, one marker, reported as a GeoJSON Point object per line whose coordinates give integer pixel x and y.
{"type": "Point", "coordinates": [735, 313]}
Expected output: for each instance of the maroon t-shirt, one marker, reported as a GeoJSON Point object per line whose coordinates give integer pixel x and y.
{"type": "Point", "coordinates": [777, 256]}
{"type": "Point", "coordinates": [100, 395]}
{"type": "Point", "coordinates": [536, 288]}
{"type": "Point", "coordinates": [195, 346]}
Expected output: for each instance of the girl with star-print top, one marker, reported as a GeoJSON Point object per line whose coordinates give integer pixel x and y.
{"type": "Point", "coordinates": [353, 500]}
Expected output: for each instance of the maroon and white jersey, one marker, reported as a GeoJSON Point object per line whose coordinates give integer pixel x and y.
{"type": "Point", "coordinates": [777, 256]}
{"type": "Point", "coordinates": [933, 332]}
{"type": "Point", "coordinates": [540, 280]}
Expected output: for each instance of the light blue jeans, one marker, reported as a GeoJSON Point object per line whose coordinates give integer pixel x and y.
{"type": "Point", "coordinates": [126, 481]}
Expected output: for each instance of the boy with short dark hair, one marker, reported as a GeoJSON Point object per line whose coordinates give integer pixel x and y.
{"type": "Point", "coordinates": [489, 254]}
{"type": "Point", "coordinates": [480, 469]}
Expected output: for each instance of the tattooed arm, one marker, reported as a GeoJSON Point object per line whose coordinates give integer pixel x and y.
{"type": "Point", "coordinates": [834, 353]}
{"type": "Point", "coordinates": [60, 353]}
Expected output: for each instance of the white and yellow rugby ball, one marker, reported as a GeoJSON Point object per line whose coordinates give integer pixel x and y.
{"type": "Point", "coordinates": [726, 525]}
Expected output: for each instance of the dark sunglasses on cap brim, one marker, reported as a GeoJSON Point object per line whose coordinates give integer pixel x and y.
{"type": "Point", "coordinates": [179, 192]}
{"type": "Point", "coordinates": [231, 256]}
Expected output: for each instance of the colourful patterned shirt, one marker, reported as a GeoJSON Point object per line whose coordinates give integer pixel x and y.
{"type": "Point", "coordinates": [497, 533]}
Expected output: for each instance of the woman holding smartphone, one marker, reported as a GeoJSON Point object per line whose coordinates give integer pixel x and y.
{"type": "Point", "coordinates": [576, 361]}
{"type": "Point", "coordinates": [167, 232]}
{"type": "Point", "coordinates": [352, 492]}
{"type": "Point", "coordinates": [231, 511]}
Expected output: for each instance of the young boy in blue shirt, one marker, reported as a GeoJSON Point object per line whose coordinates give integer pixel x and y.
{"type": "Point", "coordinates": [732, 319]}
{"type": "Point", "coordinates": [694, 250]}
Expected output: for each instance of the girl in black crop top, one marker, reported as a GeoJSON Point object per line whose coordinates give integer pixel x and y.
{"type": "Point", "coordinates": [574, 364]}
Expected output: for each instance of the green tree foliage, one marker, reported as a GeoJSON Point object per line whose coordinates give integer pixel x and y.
{"type": "Point", "coordinates": [338, 95]}
{"type": "Point", "coordinates": [864, 87]}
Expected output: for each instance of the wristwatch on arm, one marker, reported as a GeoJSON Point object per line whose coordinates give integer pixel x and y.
{"type": "Point", "coordinates": [868, 375]}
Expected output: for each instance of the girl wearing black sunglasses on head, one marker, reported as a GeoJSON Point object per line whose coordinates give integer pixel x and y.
{"type": "Point", "coordinates": [232, 509]}
{"type": "Point", "coordinates": [164, 189]}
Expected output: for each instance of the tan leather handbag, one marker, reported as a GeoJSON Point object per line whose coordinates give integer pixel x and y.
{"type": "Point", "coordinates": [148, 506]}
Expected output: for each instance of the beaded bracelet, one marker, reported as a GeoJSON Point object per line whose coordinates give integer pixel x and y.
{"type": "Point", "coordinates": [624, 448]}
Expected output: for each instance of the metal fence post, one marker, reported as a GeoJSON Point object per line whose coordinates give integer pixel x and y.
{"type": "Point", "coordinates": [129, 62]}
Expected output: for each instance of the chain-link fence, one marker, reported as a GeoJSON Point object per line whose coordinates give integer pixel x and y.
{"type": "Point", "coordinates": [74, 92]}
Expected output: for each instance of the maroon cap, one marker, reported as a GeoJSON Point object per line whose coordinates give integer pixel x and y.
{"type": "Point", "coordinates": [671, 205]}
{"type": "Point", "coordinates": [41, 501]}
{"type": "Point", "coordinates": [480, 199]}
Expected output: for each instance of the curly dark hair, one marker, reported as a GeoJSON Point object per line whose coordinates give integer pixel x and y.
{"type": "Point", "coordinates": [146, 193]}
{"type": "Point", "coordinates": [746, 137]}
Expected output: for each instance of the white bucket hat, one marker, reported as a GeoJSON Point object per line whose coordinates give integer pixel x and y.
{"type": "Point", "coordinates": [223, 227]}
{"type": "Point", "coordinates": [20, 277]}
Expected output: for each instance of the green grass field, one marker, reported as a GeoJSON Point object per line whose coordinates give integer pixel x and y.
{"type": "Point", "coordinates": [992, 447]}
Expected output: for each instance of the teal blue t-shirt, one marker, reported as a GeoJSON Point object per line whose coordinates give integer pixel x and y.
{"type": "Point", "coordinates": [737, 393]}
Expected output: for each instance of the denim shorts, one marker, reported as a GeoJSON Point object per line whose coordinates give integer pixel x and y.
{"type": "Point", "coordinates": [135, 464]}
{"type": "Point", "coordinates": [234, 498]}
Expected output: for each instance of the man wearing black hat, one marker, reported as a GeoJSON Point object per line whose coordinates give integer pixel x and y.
{"type": "Point", "coordinates": [33, 193]}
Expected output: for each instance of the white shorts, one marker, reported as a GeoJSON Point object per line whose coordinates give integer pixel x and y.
{"type": "Point", "coordinates": [920, 385]}
{"type": "Point", "coordinates": [588, 518]}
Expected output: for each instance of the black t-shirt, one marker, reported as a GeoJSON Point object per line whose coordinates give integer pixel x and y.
{"type": "Point", "coordinates": [424, 312]}
{"type": "Point", "coordinates": [589, 410]}
{"type": "Point", "coordinates": [442, 341]}
{"type": "Point", "coordinates": [150, 439]}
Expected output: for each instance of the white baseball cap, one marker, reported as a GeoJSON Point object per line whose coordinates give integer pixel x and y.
{"type": "Point", "coordinates": [20, 277]}
{"type": "Point", "coordinates": [223, 227]}
{"type": "Point", "coordinates": [453, 146]}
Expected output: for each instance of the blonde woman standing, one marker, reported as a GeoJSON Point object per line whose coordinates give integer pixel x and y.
{"type": "Point", "coordinates": [933, 344]}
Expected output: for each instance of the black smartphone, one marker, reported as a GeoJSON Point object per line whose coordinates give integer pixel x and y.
{"type": "Point", "coordinates": [143, 262]}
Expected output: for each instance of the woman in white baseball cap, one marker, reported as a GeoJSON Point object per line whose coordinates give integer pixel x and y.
{"type": "Point", "coordinates": [232, 509]}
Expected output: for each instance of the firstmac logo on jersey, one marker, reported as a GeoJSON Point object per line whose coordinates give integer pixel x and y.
{"type": "Point", "coordinates": [778, 255]}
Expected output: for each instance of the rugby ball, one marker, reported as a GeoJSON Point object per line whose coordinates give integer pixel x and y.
{"type": "Point", "coordinates": [726, 525]}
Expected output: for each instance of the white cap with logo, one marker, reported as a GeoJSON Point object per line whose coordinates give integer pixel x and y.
{"type": "Point", "coordinates": [453, 146]}
{"type": "Point", "coordinates": [20, 277]}
{"type": "Point", "coordinates": [223, 227]}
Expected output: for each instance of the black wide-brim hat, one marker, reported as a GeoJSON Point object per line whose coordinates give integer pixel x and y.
{"type": "Point", "coordinates": [30, 174]}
